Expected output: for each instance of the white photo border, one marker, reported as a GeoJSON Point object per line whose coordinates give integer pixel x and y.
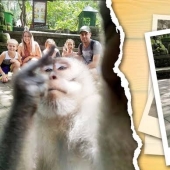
{"type": "Point", "coordinates": [156, 18]}
{"type": "Point", "coordinates": [153, 146]}
{"type": "Point", "coordinates": [149, 124]}
{"type": "Point", "coordinates": [148, 121]}
{"type": "Point", "coordinates": [156, 91]}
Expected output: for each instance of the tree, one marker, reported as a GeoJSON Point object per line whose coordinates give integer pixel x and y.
{"type": "Point", "coordinates": [64, 14]}
{"type": "Point", "coordinates": [61, 14]}
{"type": "Point", "coordinates": [13, 7]}
{"type": "Point", "coordinates": [23, 12]}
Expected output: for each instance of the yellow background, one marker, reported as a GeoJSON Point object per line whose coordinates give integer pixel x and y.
{"type": "Point", "coordinates": [135, 16]}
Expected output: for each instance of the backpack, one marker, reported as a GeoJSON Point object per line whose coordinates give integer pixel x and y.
{"type": "Point", "coordinates": [91, 47]}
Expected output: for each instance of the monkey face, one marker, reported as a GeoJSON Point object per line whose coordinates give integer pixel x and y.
{"type": "Point", "coordinates": [63, 80]}
{"type": "Point", "coordinates": [69, 83]}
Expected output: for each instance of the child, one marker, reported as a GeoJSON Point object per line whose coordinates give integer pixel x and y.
{"type": "Point", "coordinates": [9, 60]}
{"type": "Point", "coordinates": [68, 49]}
{"type": "Point", "coordinates": [49, 42]}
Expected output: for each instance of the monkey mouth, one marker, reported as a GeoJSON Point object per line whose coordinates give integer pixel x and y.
{"type": "Point", "coordinates": [56, 89]}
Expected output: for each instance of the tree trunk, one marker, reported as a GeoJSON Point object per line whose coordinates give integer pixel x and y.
{"type": "Point", "coordinates": [23, 13]}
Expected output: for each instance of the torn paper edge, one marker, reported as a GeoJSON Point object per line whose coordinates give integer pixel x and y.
{"type": "Point", "coordinates": [125, 83]}
{"type": "Point", "coordinates": [166, 149]}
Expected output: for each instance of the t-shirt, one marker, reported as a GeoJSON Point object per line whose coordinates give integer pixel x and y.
{"type": "Point", "coordinates": [88, 52]}
{"type": "Point", "coordinates": [7, 58]}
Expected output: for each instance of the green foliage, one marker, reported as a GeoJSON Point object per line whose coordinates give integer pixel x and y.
{"type": "Point", "coordinates": [64, 14]}
{"type": "Point", "coordinates": [61, 14]}
{"type": "Point", "coordinates": [13, 7]}
{"type": "Point", "coordinates": [29, 12]}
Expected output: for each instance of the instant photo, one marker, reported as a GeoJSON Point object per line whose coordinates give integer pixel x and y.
{"type": "Point", "coordinates": [158, 47]}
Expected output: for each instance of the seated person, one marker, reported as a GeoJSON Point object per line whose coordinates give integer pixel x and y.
{"type": "Point", "coordinates": [48, 43]}
{"type": "Point", "coordinates": [9, 60]}
{"type": "Point", "coordinates": [68, 49]}
{"type": "Point", "coordinates": [89, 50]}
{"type": "Point", "coordinates": [28, 48]}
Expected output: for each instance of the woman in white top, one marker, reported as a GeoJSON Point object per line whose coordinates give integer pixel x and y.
{"type": "Point", "coordinates": [68, 49]}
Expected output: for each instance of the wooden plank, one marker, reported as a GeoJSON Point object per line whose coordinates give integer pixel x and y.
{"type": "Point", "coordinates": [135, 64]}
{"type": "Point", "coordinates": [136, 16]}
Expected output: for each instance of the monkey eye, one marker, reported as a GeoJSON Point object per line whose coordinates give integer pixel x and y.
{"type": "Point", "coordinates": [49, 70]}
{"type": "Point", "coordinates": [62, 68]}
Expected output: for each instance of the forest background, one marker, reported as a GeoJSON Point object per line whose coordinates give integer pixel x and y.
{"type": "Point", "coordinates": [60, 14]}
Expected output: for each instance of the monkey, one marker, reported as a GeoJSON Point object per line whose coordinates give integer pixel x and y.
{"type": "Point", "coordinates": [60, 119]}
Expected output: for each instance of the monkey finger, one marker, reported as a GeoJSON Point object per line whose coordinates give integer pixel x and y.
{"type": "Point", "coordinates": [41, 79]}
{"type": "Point", "coordinates": [31, 66]}
{"type": "Point", "coordinates": [48, 57]}
{"type": "Point", "coordinates": [23, 82]}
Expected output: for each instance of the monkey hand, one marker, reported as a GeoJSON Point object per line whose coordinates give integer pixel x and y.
{"type": "Point", "coordinates": [117, 103]}
{"type": "Point", "coordinates": [29, 87]}
{"type": "Point", "coordinates": [112, 38]}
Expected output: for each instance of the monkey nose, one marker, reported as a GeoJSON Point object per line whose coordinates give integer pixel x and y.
{"type": "Point", "coordinates": [53, 76]}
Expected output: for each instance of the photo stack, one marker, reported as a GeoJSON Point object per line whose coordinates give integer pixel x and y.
{"type": "Point", "coordinates": [155, 122]}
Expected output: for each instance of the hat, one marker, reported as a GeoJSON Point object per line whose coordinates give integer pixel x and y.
{"type": "Point", "coordinates": [85, 29]}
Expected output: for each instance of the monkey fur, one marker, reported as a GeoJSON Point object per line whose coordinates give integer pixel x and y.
{"type": "Point", "coordinates": [61, 120]}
